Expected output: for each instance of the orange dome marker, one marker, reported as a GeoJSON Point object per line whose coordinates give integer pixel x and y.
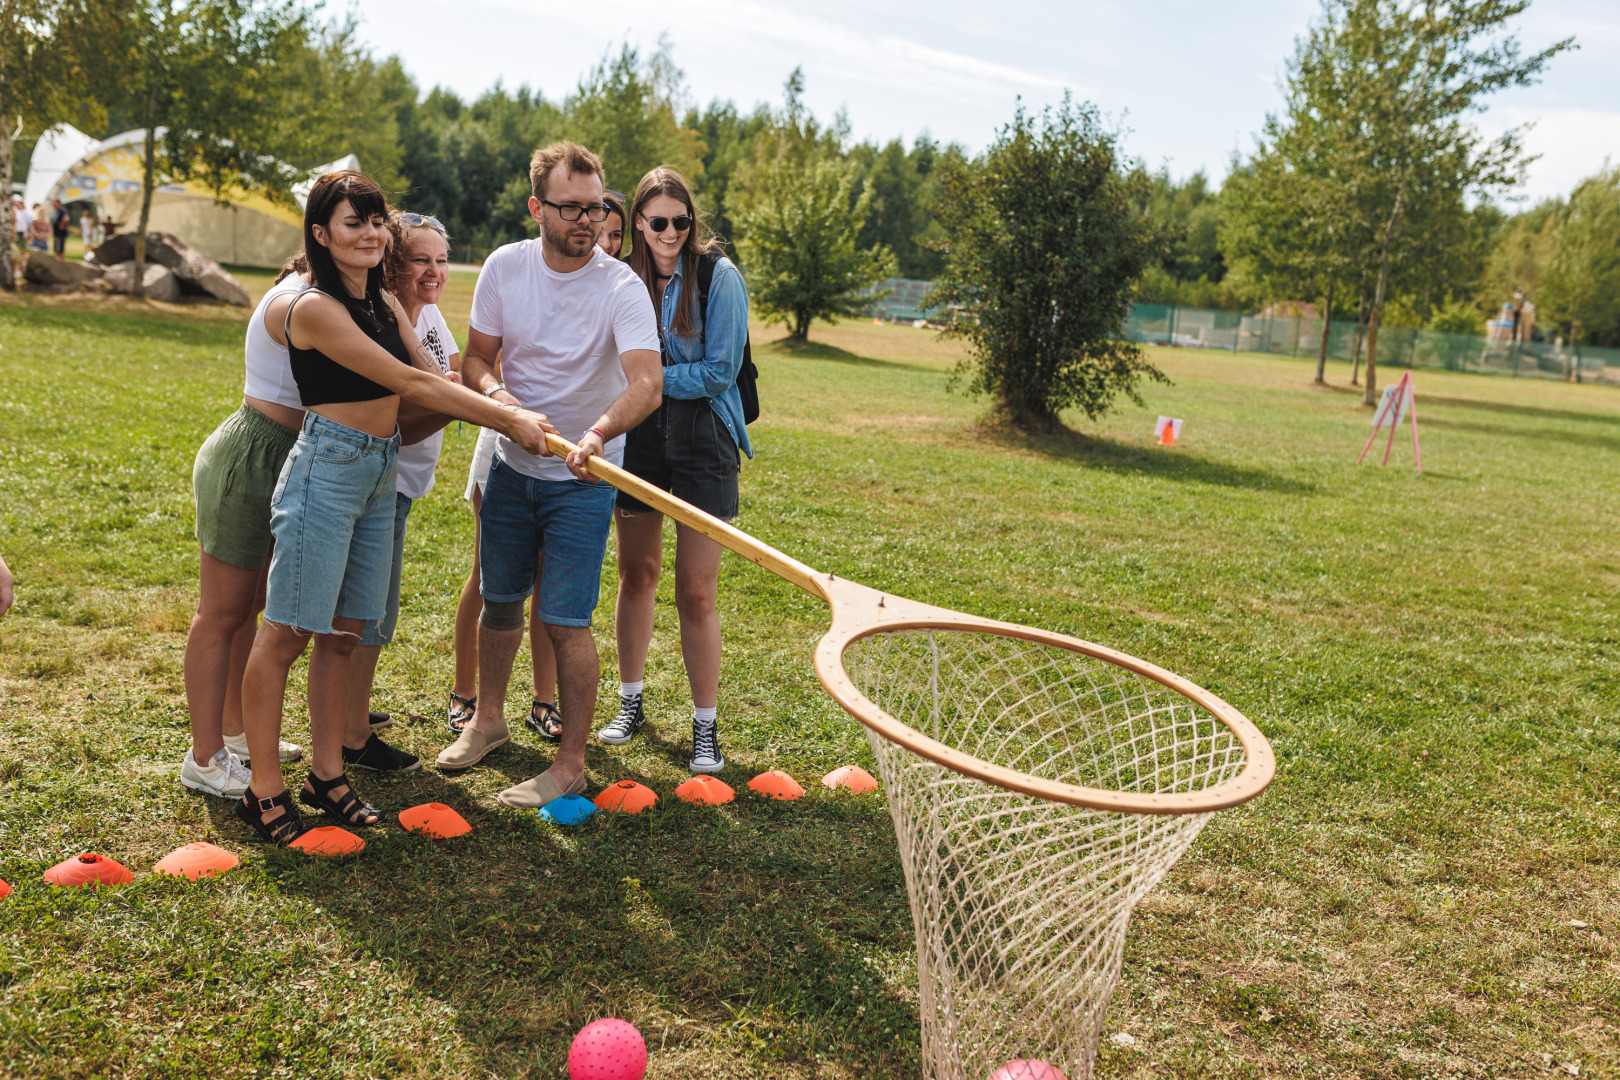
{"type": "Point", "coordinates": [195, 861]}
{"type": "Point", "coordinates": [627, 797]}
{"type": "Point", "coordinates": [853, 777]}
{"type": "Point", "coordinates": [88, 869]}
{"type": "Point", "coordinates": [776, 784]}
{"type": "Point", "coordinates": [5, 890]}
{"type": "Point", "coordinates": [329, 840]}
{"type": "Point", "coordinates": [435, 819]}
{"type": "Point", "coordinates": [706, 791]}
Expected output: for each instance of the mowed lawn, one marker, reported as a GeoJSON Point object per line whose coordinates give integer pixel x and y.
{"type": "Point", "coordinates": [1428, 889]}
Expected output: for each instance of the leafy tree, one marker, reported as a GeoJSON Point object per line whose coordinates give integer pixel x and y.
{"type": "Point", "coordinates": [728, 139]}
{"type": "Point", "coordinates": [905, 195]}
{"type": "Point", "coordinates": [214, 81]}
{"type": "Point", "coordinates": [354, 103]}
{"type": "Point", "coordinates": [49, 50]}
{"type": "Point", "coordinates": [1520, 249]}
{"type": "Point", "coordinates": [1580, 283]}
{"type": "Point", "coordinates": [799, 245]}
{"type": "Point", "coordinates": [1390, 85]}
{"type": "Point", "coordinates": [1043, 247]}
{"type": "Point", "coordinates": [625, 111]}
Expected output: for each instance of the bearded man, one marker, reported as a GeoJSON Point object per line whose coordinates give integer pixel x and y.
{"type": "Point", "coordinates": [578, 341]}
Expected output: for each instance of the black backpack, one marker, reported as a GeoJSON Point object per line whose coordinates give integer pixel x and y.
{"type": "Point", "coordinates": [748, 374]}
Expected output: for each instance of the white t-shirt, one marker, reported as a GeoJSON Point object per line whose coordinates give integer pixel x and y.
{"type": "Point", "coordinates": [22, 217]}
{"type": "Point", "coordinates": [269, 370]}
{"type": "Point", "coordinates": [418, 460]}
{"type": "Point", "coordinates": [561, 339]}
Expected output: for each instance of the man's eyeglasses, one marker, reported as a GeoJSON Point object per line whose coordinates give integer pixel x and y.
{"type": "Point", "coordinates": [681, 222]}
{"type": "Point", "coordinates": [416, 221]}
{"type": "Point", "coordinates": [571, 211]}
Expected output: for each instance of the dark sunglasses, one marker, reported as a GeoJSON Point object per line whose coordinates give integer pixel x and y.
{"type": "Point", "coordinates": [681, 222]}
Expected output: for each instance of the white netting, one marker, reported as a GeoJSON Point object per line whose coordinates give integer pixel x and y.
{"type": "Point", "coordinates": [1020, 904]}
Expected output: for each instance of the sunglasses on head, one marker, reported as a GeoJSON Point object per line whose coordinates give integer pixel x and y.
{"type": "Point", "coordinates": [417, 220]}
{"type": "Point", "coordinates": [681, 222]}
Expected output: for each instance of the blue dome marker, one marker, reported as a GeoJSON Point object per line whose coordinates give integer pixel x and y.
{"type": "Point", "coordinates": [567, 810]}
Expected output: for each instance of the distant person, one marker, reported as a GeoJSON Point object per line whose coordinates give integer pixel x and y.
{"type": "Point", "coordinates": [87, 231]}
{"type": "Point", "coordinates": [109, 229]}
{"type": "Point", "coordinates": [417, 281]}
{"type": "Point", "coordinates": [332, 513]}
{"type": "Point", "coordinates": [20, 219]}
{"type": "Point", "coordinates": [8, 592]}
{"type": "Point", "coordinates": [692, 447]}
{"type": "Point", "coordinates": [574, 329]}
{"type": "Point", "coordinates": [61, 225]}
{"type": "Point", "coordinates": [611, 237]}
{"type": "Point", "coordinates": [39, 229]}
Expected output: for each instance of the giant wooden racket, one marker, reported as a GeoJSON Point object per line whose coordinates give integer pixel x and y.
{"type": "Point", "coordinates": [1040, 785]}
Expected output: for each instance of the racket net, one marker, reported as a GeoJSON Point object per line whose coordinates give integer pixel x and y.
{"type": "Point", "coordinates": [1020, 905]}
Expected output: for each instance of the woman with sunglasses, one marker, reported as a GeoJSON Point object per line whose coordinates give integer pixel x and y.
{"type": "Point", "coordinates": [691, 447]}
{"type": "Point", "coordinates": [353, 354]}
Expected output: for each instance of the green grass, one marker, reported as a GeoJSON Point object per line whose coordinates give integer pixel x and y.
{"type": "Point", "coordinates": [1434, 659]}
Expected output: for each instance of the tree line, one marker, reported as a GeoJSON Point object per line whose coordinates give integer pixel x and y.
{"type": "Point", "coordinates": [1369, 193]}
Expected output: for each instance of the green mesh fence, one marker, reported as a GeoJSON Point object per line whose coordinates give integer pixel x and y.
{"type": "Point", "coordinates": [1196, 328]}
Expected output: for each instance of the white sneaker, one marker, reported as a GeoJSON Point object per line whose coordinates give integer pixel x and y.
{"type": "Point", "coordinates": [223, 776]}
{"type": "Point", "coordinates": [706, 755]}
{"type": "Point", "coordinates": [237, 744]}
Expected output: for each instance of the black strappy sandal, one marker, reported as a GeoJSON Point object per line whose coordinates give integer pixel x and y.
{"type": "Point", "coordinates": [460, 711]}
{"type": "Point", "coordinates": [283, 830]}
{"type": "Point", "coordinates": [545, 721]}
{"type": "Point", "coordinates": [349, 809]}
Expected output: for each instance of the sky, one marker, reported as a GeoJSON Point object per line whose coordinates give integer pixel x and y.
{"type": "Point", "coordinates": [1188, 82]}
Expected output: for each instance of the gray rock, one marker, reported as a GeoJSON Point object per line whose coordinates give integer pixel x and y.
{"type": "Point", "coordinates": [205, 275]}
{"type": "Point", "coordinates": [43, 269]}
{"type": "Point", "coordinates": [199, 275]}
{"type": "Point", "coordinates": [159, 281]}
{"type": "Point", "coordinates": [164, 248]}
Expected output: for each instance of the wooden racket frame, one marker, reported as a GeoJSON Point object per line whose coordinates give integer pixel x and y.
{"type": "Point", "coordinates": [859, 612]}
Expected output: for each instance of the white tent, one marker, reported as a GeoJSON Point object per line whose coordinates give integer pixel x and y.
{"type": "Point", "coordinates": [57, 151]}
{"type": "Point", "coordinates": [246, 230]}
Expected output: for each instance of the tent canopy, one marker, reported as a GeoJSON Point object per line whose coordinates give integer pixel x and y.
{"type": "Point", "coordinates": [246, 229]}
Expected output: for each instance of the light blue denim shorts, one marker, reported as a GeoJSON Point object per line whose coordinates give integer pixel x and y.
{"type": "Point", "coordinates": [568, 520]}
{"type": "Point", "coordinates": [332, 517]}
{"type": "Point", "coordinates": [382, 633]}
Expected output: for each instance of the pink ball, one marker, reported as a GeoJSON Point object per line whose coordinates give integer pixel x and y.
{"type": "Point", "coordinates": [607, 1049]}
{"type": "Point", "coordinates": [1028, 1070]}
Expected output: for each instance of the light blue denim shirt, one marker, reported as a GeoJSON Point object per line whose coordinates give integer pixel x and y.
{"type": "Point", "coordinates": [706, 366]}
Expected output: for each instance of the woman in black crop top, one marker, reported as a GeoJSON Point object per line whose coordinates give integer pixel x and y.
{"type": "Point", "coordinates": [354, 357]}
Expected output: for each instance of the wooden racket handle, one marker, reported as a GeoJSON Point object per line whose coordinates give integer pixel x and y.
{"type": "Point", "coordinates": [733, 539]}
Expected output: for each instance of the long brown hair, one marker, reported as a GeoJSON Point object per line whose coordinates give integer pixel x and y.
{"type": "Point", "coordinates": [700, 241]}
{"type": "Point", "coordinates": [367, 201]}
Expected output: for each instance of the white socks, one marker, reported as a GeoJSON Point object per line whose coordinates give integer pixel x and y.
{"type": "Point", "coordinates": [630, 689]}
{"type": "Point", "coordinates": [703, 716]}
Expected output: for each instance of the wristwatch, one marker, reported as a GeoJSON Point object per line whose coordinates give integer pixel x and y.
{"type": "Point", "coordinates": [491, 390]}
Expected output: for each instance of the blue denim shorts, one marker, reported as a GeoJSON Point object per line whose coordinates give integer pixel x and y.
{"type": "Point", "coordinates": [383, 632]}
{"type": "Point", "coordinates": [332, 518]}
{"type": "Point", "coordinates": [567, 519]}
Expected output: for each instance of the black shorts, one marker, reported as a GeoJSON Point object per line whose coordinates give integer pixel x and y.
{"type": "Point", "coordinates": [684, 448]}
{"type": "Point", "coordinates": [60, 240]}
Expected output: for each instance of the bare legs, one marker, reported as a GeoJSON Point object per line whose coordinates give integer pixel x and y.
{"type": "Point", "coordinates": [578, 668]}
{"type": "Point", "coordinates": [467, 648]}
{"type": "Point", "coordinates": [264, 689]}
{"type": "Point", "coordinates": [228, 603]}
{"type": "Point", "coordinates": [697, 579]}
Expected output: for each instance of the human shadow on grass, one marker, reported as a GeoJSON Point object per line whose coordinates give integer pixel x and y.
{"type": "Point", "coordinates": [751, 923]}
{"type": "Point", "coordinates": [1177, 464]}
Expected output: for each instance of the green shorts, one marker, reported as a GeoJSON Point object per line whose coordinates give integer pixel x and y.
{"type": "Point", "coordinates": [235, 474]}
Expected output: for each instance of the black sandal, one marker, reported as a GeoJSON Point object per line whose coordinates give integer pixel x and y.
{"type": "Point", "coordinates": [284, 829]}
{"type": "Point", "coordinates": [349, 809]}
{"type": "Point", "coordinates": [460, 711]}
{"type": "Point", "coordinates": [545, 721]}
